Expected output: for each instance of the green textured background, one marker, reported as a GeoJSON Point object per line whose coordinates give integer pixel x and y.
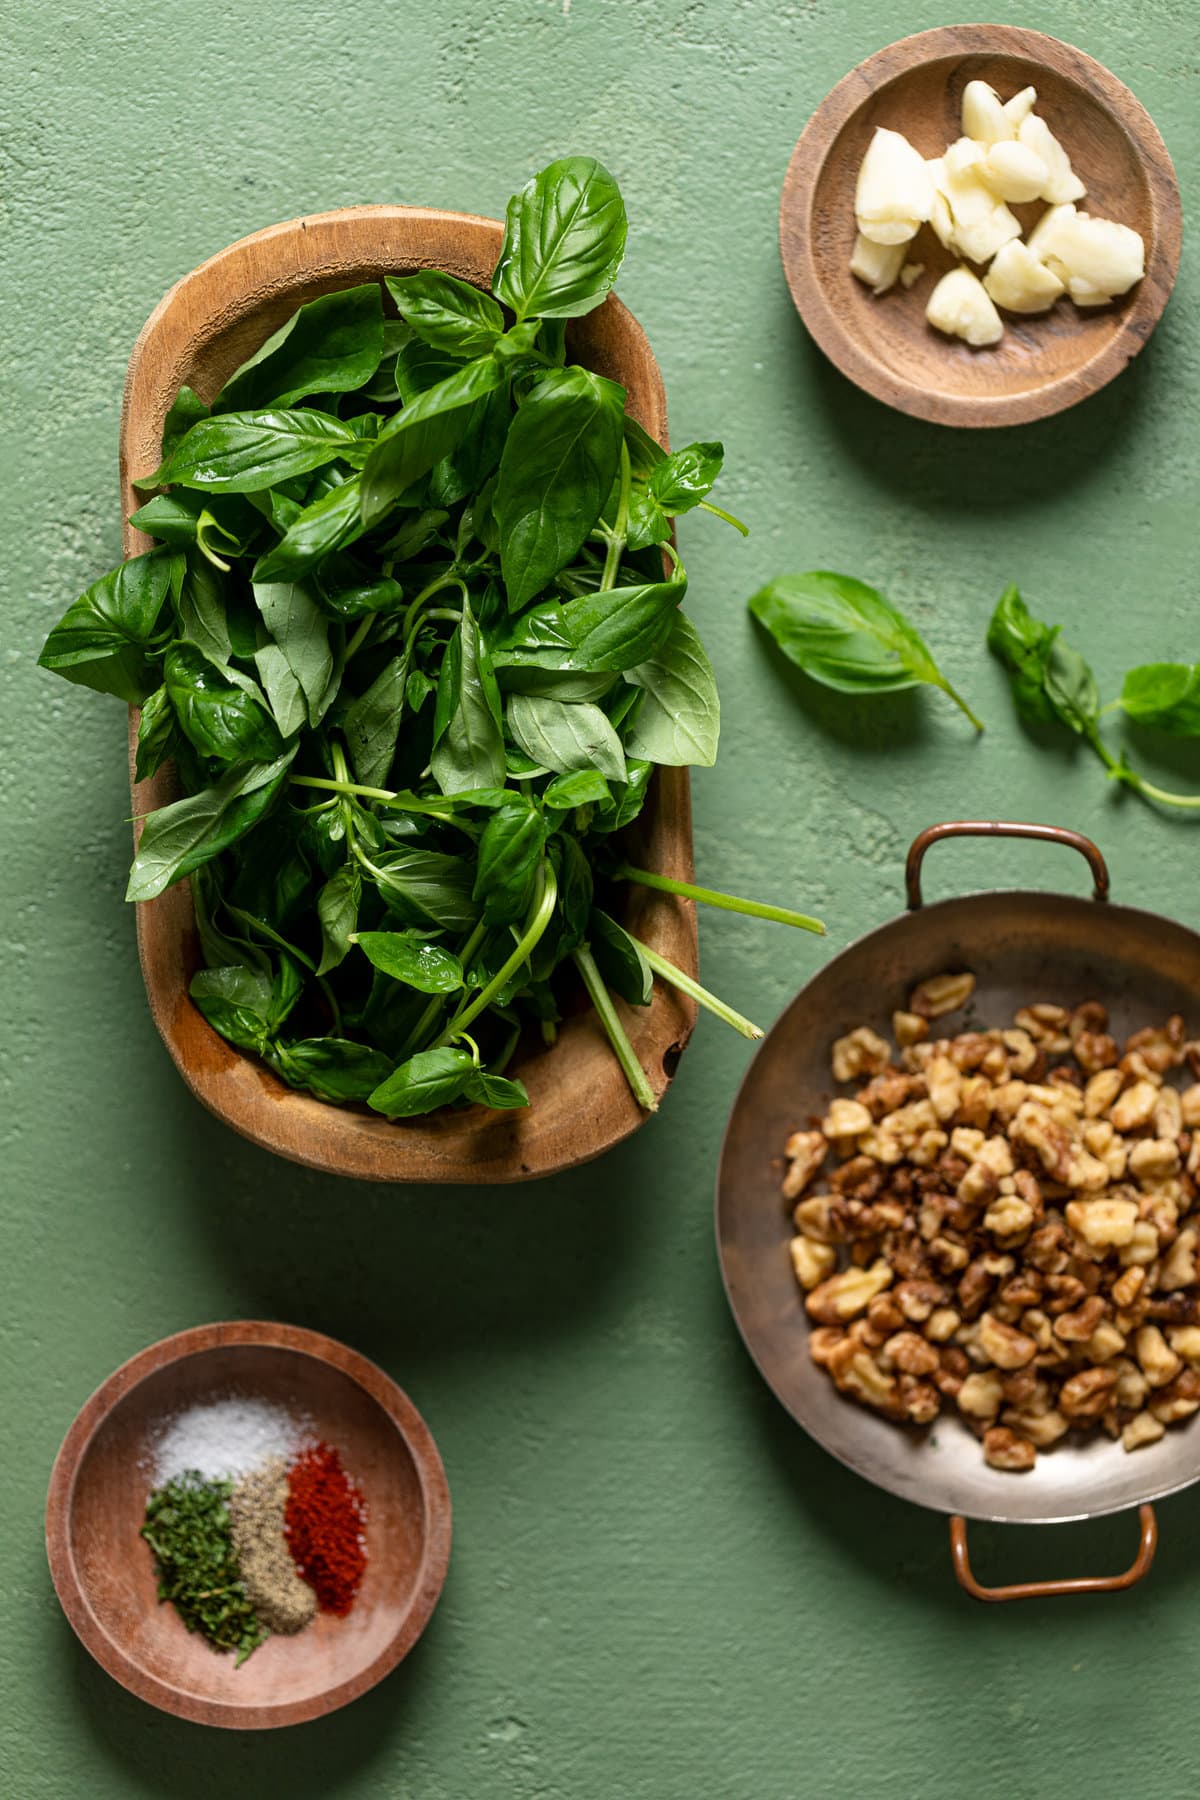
{"type": "Point", "coordinates": [659, 1587]}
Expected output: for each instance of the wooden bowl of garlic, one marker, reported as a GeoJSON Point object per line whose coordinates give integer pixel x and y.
{"type": "Point", "coordinates": [980, 225]}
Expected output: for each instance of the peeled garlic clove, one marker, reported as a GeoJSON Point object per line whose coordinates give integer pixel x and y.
{"type": "Point", "coordinates": [911, 272]}
{"type": "Point", "coordinates": [877, 264]}
{"type": "Point", "coordinates": [960, 157]}
{"type": "Point", "coordinates": [940, 217]}
{"type": "Point", "coordinates": [961, 307]}
{"type": "Point", "coordinates": [983, 117]}
{"type": "Point", "coordinates": [1043, 240]}
{"type": "Point", "coordinates": [1014, 172]}
{"type": "Point", "coordinates": [980, 222]}
{"type": "Point", "coordinates": [1095, 257]}
{"type": "Point", "coordinates": [1062, 183]}
{"type": "Point", "coordinates": [894, 194]}
{"type": "Point", "coordinates": [1018, 109]}
{"type": "Point", "coordinates": [1019, 282]}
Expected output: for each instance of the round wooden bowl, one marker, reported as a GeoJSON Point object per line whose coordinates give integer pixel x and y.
{"type": "Point", "coordinates": [104, 1571]}
{"type": "Point", "coordinates": [1043, 364]}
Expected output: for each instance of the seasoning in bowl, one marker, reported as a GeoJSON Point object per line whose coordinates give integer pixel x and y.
{"type": "Point", "coordinates": [254, 1526]}
{"type": "Point", "coordinates": [1011, 1226]}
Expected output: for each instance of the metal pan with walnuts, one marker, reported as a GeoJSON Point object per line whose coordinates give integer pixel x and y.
{"type": "Point", "coordinates": [1020, 948]}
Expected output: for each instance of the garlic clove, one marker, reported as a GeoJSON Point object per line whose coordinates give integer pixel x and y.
{"type": "Point", "coordinates": [1014, 172]}
{"type": "Point", "coordinates": [961, 307]}
{"type": "Point", "coordinates": [983, 117]}
{"type": "Point", "coordinates": [1062, 183]}
{"type": "Point", "coordinates": [979, 222]}
{"type": "Point", "coordinates": [1020, 283]}
{"type": "Point", "coordinates": [940, 217]}
{"type": "Point", "coordinates": [894, 189]}
{"type": "Point", "coordinates": [1018, 109]}
{"type": "Point", "coordinates": [1096, 258]}
{"type": "Point", "coordinates": [911, 272]}
{"type": "Point", "coordinates": [877, 264]}
{"type": "Point", "coordinates": [962, 156]}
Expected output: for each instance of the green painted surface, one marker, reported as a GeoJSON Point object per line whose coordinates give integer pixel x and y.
{"type": "Point", "coordinates": [659, 1587]}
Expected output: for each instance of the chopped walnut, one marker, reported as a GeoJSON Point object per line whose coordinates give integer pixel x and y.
{"type": "Point", "coordinates": [1003, 1449]}
{"type": "Point", "coordinates": [805, 1152]}
{"type": "Point", "coordinates": [941, 994]}
{"type": "Point", "coordinates": [1143, 1428]}
{"type": "Point", "coordinates": [846, 1119]}
{"type": "Point", "coordinates": [909, 1028]}
{"type": "Point", "coordinates": [1135, 1107]}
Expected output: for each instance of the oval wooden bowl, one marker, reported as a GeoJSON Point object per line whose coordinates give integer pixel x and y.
{"type": "Point", "coordinates": [104, 1571]}
{"type": "Point", "coordinates": [580, 1102]}
{"type": "Point", "coordinates": [1043, 364]}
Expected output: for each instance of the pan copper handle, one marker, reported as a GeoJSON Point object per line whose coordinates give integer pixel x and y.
{"type": "Point", "coordinates": [1045, 1590]}
{"type": "Point", "coordinates": [1050, 834]}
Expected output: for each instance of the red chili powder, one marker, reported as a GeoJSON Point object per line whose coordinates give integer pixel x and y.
{"type": "Point", "coordinates": [324, 1523]}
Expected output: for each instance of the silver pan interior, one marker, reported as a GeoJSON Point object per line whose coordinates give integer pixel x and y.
{"type": "Point", "coordinates": [1021, 947]}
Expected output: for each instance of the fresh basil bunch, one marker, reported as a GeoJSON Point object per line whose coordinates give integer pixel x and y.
{"type": "Point", "coordinates": [409, 639]}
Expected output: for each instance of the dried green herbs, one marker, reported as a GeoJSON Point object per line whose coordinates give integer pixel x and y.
{"type": "Point", "coordinates": [189, 1530]}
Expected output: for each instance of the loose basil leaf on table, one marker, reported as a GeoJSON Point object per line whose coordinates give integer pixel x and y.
{"type": "Point", "coordinates": [1165, 695]}
{"type": "Point", "coordinates": [1050, 680]}
{"type": "Point", "coordinates": [845, 635]}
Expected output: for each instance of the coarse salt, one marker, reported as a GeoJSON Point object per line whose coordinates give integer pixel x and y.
{"type": "Point", "coordinates": [227, 1438]}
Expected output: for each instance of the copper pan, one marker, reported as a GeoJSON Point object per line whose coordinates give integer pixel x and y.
{"type": "Point", "coordinates": [1021, 947]}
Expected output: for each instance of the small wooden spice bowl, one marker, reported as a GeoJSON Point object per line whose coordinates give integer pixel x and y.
{"type": "Point", "coordinates": [580, 1101]}
{"type": "Point", "coordinates": [1043, 364]}
{"type": "Point", "coordinates": [104, 1571]}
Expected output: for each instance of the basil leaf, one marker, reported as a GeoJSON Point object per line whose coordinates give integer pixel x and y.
{"type": "Point", "coordinates": [330, 346]}
{"type": "Point", "coordinates": [574, 894]}
{"type": "Point", "coordinates": [679, 720]}
{"type": "Point", "coordinates": [100, 639]}
{"type": "Point", "coordinates": [619, 959]}
{"type": "Point", "coordinates": [156, 733]}
{"type": "Point", "coordinates": [510, 851]}
{"type": "Point", "coordinates": [202, 613]}
{"type": "Point", "coordinates": [446, 313]}
{"type": "Point", "coordinates": [685, 477]}
{"type": "Point", "coordinates": [241, 453]}
{"type": "Point", "coordinates": [216, 715]}
{"type": "Point", "coordinates": [432, 1078]}
{"type": "Point", "coordinates": [424, 431]}
{"type": "Point", "coordinates": [337, 913]}
{"type": "Point", "coordinates": [178, 838]}
{"type": "Point", "coordinates": [847, 636]}
{"type": "Point", "coordinates": [627, 800]}
{"type": "Point", "coordinates": [301, 630]}
{"type": "Point", "coordinates": [564, 239]}
{"type": "Point", "coordinates": [408, 957]}
{"type": "Point", "coordinates": [521, 676]}
{"type": "Point", "coordinates": [236, 1001]}
{"type": "Point", "coordinates": [1050, 681]}
{"type": "Point", "coordinates": [333, 1068]}
{"type": "Point", "coordinates": [564, 735]}
{"type": "Point", "coordinates": [284, 694]}
{"type": "Point", "coordinates": [328, 525]}
{"type": "Point", "coordinates": [373, 725]}
{"type": "Point", "coordinates": [468, 744]}
{"type": "Point", "coordinates": [558, 465]}
{"type": "Point", "coordinates": [495, 1091]}
{"type": "Point", "coordinates": [175, 518]}
{"type": "Point", "coordinates": [187, 409]}
{"type": "Point", "coordinates": [425, 887]}
{"type": "Point", "coordinates": [584, 788]}
{"type": "Point", "coordinates": [1165, 695]}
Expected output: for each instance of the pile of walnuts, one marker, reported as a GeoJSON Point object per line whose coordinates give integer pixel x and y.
{"type": "Point", "coordinates": [1011, 1224]}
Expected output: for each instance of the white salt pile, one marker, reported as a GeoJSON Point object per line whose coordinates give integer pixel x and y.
{"type": "Point", "coordinates": [225, 1438]}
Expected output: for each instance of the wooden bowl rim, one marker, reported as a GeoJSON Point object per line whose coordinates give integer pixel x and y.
{"type": "Point", "coordinates": [826, 324]}
{"type": "Point", "coordinates": [181, 1345]}
{"type": "Point", "coordinates": [342, 1140]}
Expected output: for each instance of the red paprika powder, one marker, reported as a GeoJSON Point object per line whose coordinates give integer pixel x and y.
{"type": "Point", "coordinates": [324, 1523]}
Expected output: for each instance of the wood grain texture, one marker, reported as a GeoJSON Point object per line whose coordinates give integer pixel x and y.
{"type": "Point", "coordinates": [104, 1572]}
{"type": "Point", "coordinates": [580, 1103]}
{"type": "Point", "coordinates": [884, 344]}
